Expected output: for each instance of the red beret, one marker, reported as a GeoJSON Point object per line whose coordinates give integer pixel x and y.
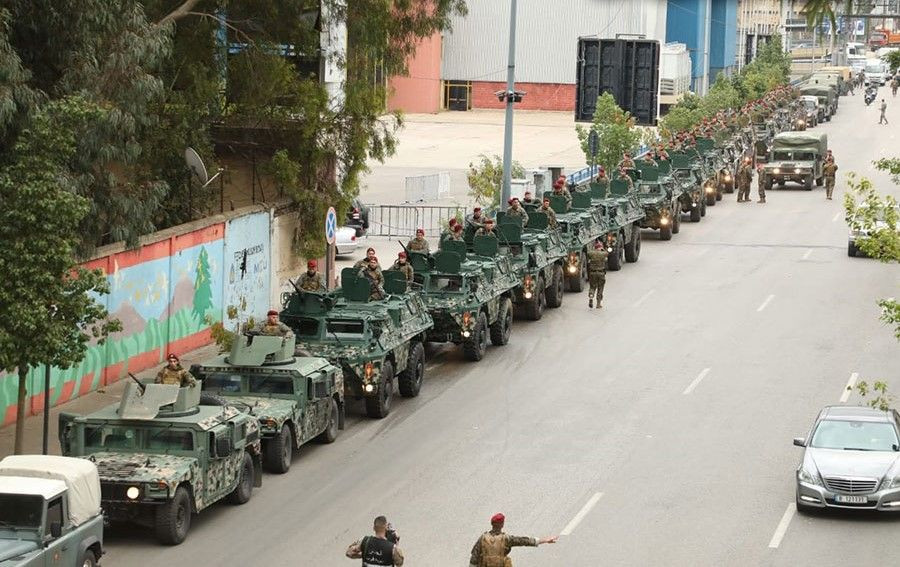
{"type": "Point", "coordinates": [510, 201]}
{"type": "Point", "coordinates": [271, 312]}
{"type": "Point", "coordinates": [420, 231]}
{"type": "Point", "coordinates": [401, 254]}
{"type": "Point", "coordinates": [373, 259]}
{"type": "Point", "coordinates": [489, 221]}
{"type": "Point", "coordinates": [477, 209]}
{"type": "Point", "coordinates": [498, 518]}
{"type": "Point", "coordinates": [457, 228]}
{"type": "Point", "coordinates": [311, 264]}
{"type": "Point", "coordinates": [453, 221]}
{"type": "Point", "coordinates": [172, 355]}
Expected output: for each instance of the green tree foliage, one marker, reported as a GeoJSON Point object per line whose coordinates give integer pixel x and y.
{"type": "Point", "coordinates": [615, 130]}
{"type": "Point", "coordinates": [202, 286]}
{"type": "Point", "coordinates": [892, 58]}
{"type": "Point", "coordinates": [48, 313]}
{"type": "Point", "coordinates": [486, 179]}
{"type": "Point", "coordinates": [880, 399]}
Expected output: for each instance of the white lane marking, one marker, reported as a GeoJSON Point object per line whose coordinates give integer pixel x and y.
{"type": "Point", "coordinates": [807, 253]}
{"type": "Point", "coordinates": [782, 526]}
{"type": "Point", "coordinates": [849, 389]}
{"type": "Point", "coordinates": [696, 381]}
{"type": "Point", "coordinates": [644, 297]}
{"type": "Point", "coordinates": [836, 216]}
{"type": "Point", "coordinates": [765, 303]}
{"type": "Point", "coordinates": [570, 527]}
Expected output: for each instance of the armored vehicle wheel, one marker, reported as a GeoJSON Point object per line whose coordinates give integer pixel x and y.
{"type": "Point", "coordinates": [665, 232]}
{"type": "Point", "coordinates": [554, 291]}
{"type": "Point", "coordinates": [475, 347]}
{"type": "Point", "coordinates": [695, 214]}
{"type": "Point", "coordinates": [616, 257]}
{"type": "Point", "coordinates": [331, 430]}
{"type": "Point", "coordinates": [576, 283]}
{"type": "Point", "coordinates": [633, 247]}
{"type": "Point", "coordinates": [502, 328]}
{"type": "Point", "coordinates": [718, 194]}
{"type": "Point", "coordinates": [89, 560]}
{"type": "Point", "coordinates": [279, 451]}
{"type": "Point", "coordinates": [767, 185]}
{"type": "Point", "coordinates": [410, 380]}
{"type": "Point", "coordinates": [207, 399]}
{"type": "Point", "coordinates": [244, 490]}
{"type": "Point", "coordinates": [173, 519]}
{"type": "Point", "coordinates": [702, 208]}
{"type": "Point", "coordinates": [379, 406]}
{"type": "Point", "coordinates": [711, 200]}
{"type": "Point", "coordinates": [534, 309]}
{"type": "Point", "coordinates": [808, 183]}
{"type": "Point", "coordinates": [676, 222]}
{"type": "Point", "coordinates": [820, 181]}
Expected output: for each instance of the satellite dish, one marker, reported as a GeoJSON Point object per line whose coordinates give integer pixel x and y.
{"type": "Point", "coordinates": [195, 164]}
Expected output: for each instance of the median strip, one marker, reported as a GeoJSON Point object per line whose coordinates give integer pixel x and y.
{"type": "Point", "coordinates": [845, 395]}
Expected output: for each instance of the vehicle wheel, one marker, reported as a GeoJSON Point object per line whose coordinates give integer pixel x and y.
{"type": "Point", "coordinates": [90, 560]}
{"type": "Point", "coordinates": [379, 406]}
{"type": "Point", "coordinates": [808, 183]}
{"type": "Point", "coordinates": [695, 214]}
{"type": "Point", "coordinates": [633, 248]}
{"type": "Point", "coordinates": [244, 490]}
{"type": "Point", "coordinates": [502, 328]}
{"type": "Point", "coordinates": [767, 185]}
{"type": "Point", "coordinates": [576, 283]}
{"type": "Point", "coordinates": [534, 309]}
{"type": "Point", "coordinates": [331, 430]}
{"type": "Point", "coordinates": [410, 380]}
{"type": "Point", "coordinates": [676, 222]}
{"type": "Point", "coordinates": [702, 208]}
{"type": "Point", "coordinates": [173, 519]}
{"type": "Point", "coordinates": [729, 188]}
{"type": "Point", "coordinates": [616, 257]}
{"type": "Point", "coordinates": [279, 451]}
{"type": "Point", "coordinates": [852, 250]}
{"type": "Point", "coordinates": [710, 199]}
{"type": "Point", "coordinates": [820, 181]}
{"type": "Point", "coordinates": [207, 399]}
{"type": "Point", "coordinates": [718, 194]}
{"type": "Point", "coordinates": [665, 232]}
{"type": "Point", "coordinates": [474, 348]}
{"type": "Point", "coordinates": [554, 292]}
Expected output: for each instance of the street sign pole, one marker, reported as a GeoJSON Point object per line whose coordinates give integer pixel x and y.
{"type": "Point", "coordinates": [330, 238]}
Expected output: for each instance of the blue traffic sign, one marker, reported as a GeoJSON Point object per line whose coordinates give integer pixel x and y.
{"type": "Point", "coordinates": [330, 225]}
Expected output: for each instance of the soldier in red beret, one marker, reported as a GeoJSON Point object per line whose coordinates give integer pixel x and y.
{"type": "Point", "coordinates": [272, 326]}
{"type": "Point", "coordinates": [173, 374]}
{"type": "Point", "coordinates": [311, 279]}
{"type": "Point", "coordinates": [493, 547]}
{"type": "Point", "coordinates": [402, 265]}
{"type": "Point", "coordinates": [418, 244]}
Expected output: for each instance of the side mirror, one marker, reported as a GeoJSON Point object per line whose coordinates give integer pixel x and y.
{"type": "Point", "coordinates": [223, 446]}
{"type": "Point", "coordinates": [55, 529]}
{"type": "Point", "coordinates": [799, 442]}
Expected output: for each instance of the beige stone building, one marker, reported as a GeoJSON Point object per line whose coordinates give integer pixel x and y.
{"type": "Point", "coordinates": [758, 20]}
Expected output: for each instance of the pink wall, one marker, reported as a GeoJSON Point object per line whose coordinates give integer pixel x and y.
{"type": "Point", "coordinates": [420, 91]}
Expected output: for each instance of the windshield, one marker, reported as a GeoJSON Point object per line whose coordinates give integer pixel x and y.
{"type": "Point", "coordinates": [445, 283]}
{"type": "Point", "coordinates": [810, 104]}
{"type": "Point", "coordinates": [650, 188]}
{"type": "Point", "coordinates": [874, 68]}
{"type": "Point", "coordinates": [855, 435]}
{"type": "Point", "coordinates": [130, 438]}
{"type": "Point", "coordinates": [351, 329]}
{"type": "Point", "coordinates": [21, 511]}
{"type": "Point", "coordinates": [793, 156]}
{"type": "Point", "coordinates": [235, 383]}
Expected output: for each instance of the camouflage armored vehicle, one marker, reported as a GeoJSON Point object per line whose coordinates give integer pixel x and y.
{"type": "Point", "coordinates": [578, 227]}
{"type": "Point", "coordinates": [689, 175]}
{"type": "Point", "coordinates": [659, 195]}
{"type": "Point", "coordinates": [623, 214]}
{"type": "Point", "coordinates": [163, 457]}
{"type": "Point", "coordinates": [295, 399]}
{"type": "Point", "coordinates": [536, 254]}
{"type": "Point", "coordinates": [798, 157]}
{"type": "Point", "coordinates": [711, 161]}
{"type": "Point", "coordinates": [378, 343]}
{"type": "Point", "coordinates": [469, 294]}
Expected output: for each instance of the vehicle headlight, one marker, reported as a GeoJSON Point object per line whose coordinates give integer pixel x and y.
{"type": "Point", "coordinates": [133, 492]}
{"type": "Point", "coordinates": [776, 170]}
{"type": "Point", "coordinates": [664, 220]}
{"type": "Point", "coordinates": [890, 482]}
{"type": "Point", "coordinates": [709, 189]}
{"type": "Point", "coordinates": [797, 170]}
{"type": "Point", "coordinates": [369, 388]}
{"type": "Point", "coordinates": [466, 334]}
{"type": "Point", "coordinates": [808, 477]}
{"type": "Point", "coordinates": [727, 177]}
{"type": "Point", "coordinates": [528, 295]}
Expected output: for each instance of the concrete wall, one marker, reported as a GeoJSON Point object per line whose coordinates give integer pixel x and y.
{"type": "Point", "coordinates": [420, 90]}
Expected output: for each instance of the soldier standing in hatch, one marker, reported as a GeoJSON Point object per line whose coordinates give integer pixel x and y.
{"type": "Point", "coordinates": [311, 279]}
{"type": "Point", "coordinates": [648, 159]}
{"type": "Point", "coordinates": [560, 190]}
{"type": "Point", "coordinates": [623, 175]}
{"type": "Point", "coordinates": [172, 374]}
{"type": "Point", "coordinates": [528, 199]}
{"type": "Point", "coordinates": [760, 184]}
{"type": "Point", "coordinates": [476, 219]}
{"type": "Point", "coordinates": [596, 260]}
{"type": "Point", "coordinates": [375, 277]}
{"type": "Point", "coordinates": [418, 244]}
{"type": "Point", "coordinates": [493, 548]}
{"type": "Point", "coordinates": [516, 210]}
{"type": "Point", "coordinates": [551, 214]}
{"type": "Point", "coordinates": [829, 170]}
{"type": "Point", "coordinates": [457, 233]}
{"type": "Point", "coordinates": [626, 162]}
{"type": "Point", "coordinates": [602, 179]}
{"type": "Point", "coordinates": [401, 265]}
{"type": "Point", "coordinates": [273, 327]}
{"type": "Point", "coordinates": [364, 263]}
{"type": "Point", "coordinates": [487, 229]}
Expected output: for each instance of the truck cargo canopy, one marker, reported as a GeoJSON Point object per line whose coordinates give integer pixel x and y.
{"type": "Point", "coordinates": [79, 475]}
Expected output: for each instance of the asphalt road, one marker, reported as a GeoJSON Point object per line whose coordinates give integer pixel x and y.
{"type": "Point", "coordinates": [656, 431]}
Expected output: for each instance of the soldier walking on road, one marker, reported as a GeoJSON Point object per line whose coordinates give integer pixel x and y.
{"type": "Point", "coordinates": [760, 184]}
{"type": "Point", "coordinates": [311, 279]}
{"type": "Point", "coordinates": [492, 548]}
{"type": "Point", "coordinates": [883, 118]}
{"type": "Point", "coordinates": [829, 170]}
{"type": "Point", "coordinates": [173, 374]}
{"type": "Point", "coordinates": [596, 260]}
{"type": "Point", "coordinates": [377, 550]}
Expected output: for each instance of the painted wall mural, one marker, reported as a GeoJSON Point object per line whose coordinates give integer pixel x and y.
{"type": "Point", "coordinates": [247, 274]}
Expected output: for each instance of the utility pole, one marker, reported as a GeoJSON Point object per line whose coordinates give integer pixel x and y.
{"type": "Point", "coordinates": [511, 96]}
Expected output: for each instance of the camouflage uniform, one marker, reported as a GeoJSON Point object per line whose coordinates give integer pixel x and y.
{"type": "Point", "coordinates": [627, 179]}
{"type": "Point", "coordinates": [744, 178]}
{"type": "Point", "coordinates": [603, 182]}
{"type": "Point", "coordinates": [648, 160]}
{"type": "Point", "coordinates": [761, 187]}
{"type": "Point", "coordinates": [376, 281]}
{"type": "Point", "coordinates": [363, 264]}
{"type": "Point", "coordinates": [275, 329]}
{"type": "Point", "coordinates": [405, 268]}
{"type": "Point", "coordinates": [476, 222]}
{"type": "Point", "coordinates": [493, 547]}
{"type": "Point", "coordinates": [564, 192]}
{"type": "Point", "coordinates": [418, 245]}
{"type": "Point", "coordinates": [484, 232]}
{"type": "Point", "coordinates": [311, 282]}
{"type": "Point", "coordinates": [627, 163]}
{"type": "Point", "coordinates": [518, 211]}
{"type": "Point", "coordinates": [829, 170]}
{"type": "Point", "coordinates": [551, 216]}
{"type": "Point", "coordinates": [596, 259]}
{"type": "Point", "coordinates": [177, 376]}
{"type": "Point", "coordinates": [455, 236]}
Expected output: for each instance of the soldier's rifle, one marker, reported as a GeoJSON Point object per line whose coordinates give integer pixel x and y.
{"type": "Point", "coordinates": [139, 383]}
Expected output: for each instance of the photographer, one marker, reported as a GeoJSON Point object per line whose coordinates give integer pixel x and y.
{"type": "Point", "coordinates": [378, 550]}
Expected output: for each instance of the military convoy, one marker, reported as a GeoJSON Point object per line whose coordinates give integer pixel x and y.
{"type": "Point", "coordinates": [797, 157]}
{"type": "Point", "coordinates": [660, 197]}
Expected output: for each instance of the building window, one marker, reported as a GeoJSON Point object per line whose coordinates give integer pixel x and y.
{"type": "Point", "coordinates": [458, 95]}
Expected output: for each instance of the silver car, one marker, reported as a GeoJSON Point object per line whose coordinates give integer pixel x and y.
{"type": "Point", "coordinates": [851, 460]}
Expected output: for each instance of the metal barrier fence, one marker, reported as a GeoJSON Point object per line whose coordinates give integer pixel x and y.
{"type": "Point", "coordinates": [403, 220]}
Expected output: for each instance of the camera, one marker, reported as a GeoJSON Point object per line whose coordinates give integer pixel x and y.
{"type": "Point", "coordinates": [391, 535]}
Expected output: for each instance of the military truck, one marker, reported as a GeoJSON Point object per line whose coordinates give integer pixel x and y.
{"type": "Point", "coordinates": [537, 257]}
{"type": "Point", "coordinates": [49, 512]}
{"type": "Point", "coordinates": [689, 175]}
{"type": "Point", "coordinates": [659, 195]}
{"type": "Point", "coordinates": [163, 457]}
{"type": "Point", "coordinates": [825, 95]}
{"type": "Point", "coordinates": [296, 399]}
{"type": "Point", "coordinates": [814, 111]}
{"type": "Point", "coordinates": [378, 343]}
{"type": "Point", "coordinates": [469, 294]}
{"type": "Point", "coordinates": [797, 157]}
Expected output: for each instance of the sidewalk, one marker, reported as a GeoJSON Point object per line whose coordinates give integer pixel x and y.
{"type": "Point", "coordinates": [82, 405]}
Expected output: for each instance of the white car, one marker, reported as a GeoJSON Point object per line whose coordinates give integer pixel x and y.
{"type": "Point", "coordinates": [852, 249]}
{"type": "Point", "coordinates": [346, 241]}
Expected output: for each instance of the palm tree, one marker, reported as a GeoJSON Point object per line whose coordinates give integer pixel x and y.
{"type": "Point", "coordinates": [817, 10]}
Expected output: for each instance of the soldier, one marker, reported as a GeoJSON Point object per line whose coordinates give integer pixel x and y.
{"type": "Point", "coordinates": [273, 327]}
{"type": "Point", "coordinates": [744, 179]}
{"type": "Point", "coordinates": [401, 265]}
{"type": "Point", "coordinates": [376, 280]}
{"type": "Point", "coordinates": [379, 549]}
{"type": "Point", "coordinates": [760, 184]}
{"type": "Point", "coordinates": [516, 210]}
{"type": "Point", "coordinates": [370, 253]}
{"type": "Point", "coordinates": [173, 374]}
{"type": "Point", "coordinates": [883, 108]}
{"type": "Point", "coordinates": [551, 214]}
{"type": "Point", "coordinates": [486, 229]}
{"type": "Point", "coordinates": [493, 547]}
{"type": "Point", "coordinates": [475, 219]}
{"type": "Point", "coordinates": [311, 279]}
{"type": "Point", "coordinates": [661, 152]}
{"type": "Point", "coordinates": [418, 244]}
{"type": "Point", "coordinates": [623, 175]}
{"type": "Point", "coordinates": [528, 199]}
{"type": "Point", "coordinates": [559, 189]}
{"type": "Point", "coordinates": [448, 232]}
{"type": "Point", "coordinates": [626, 162]}
{"type": "Point", "coordinates": [457, 233]}
{"type": "Point", "coordinates": [829, 170]}
{"type": "Point", "coordinates": [602, 179]}
{"type": "Point", "coordinates": [596, 260]}
{"type": "Point", "coordinates": [648, 159]}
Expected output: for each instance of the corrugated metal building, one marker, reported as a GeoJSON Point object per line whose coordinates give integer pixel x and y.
{"type": "Point", "coordinates": [708, 28]}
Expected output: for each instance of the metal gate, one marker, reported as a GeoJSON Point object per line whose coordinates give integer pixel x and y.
{"type": "Point", "coordinates": [403, 220]}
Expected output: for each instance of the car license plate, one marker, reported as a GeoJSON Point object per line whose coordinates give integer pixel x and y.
{"type": "Point", "coordinates": [843, 499]}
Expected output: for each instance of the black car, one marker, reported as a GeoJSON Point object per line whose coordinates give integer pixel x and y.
{"type": "Point", "coordinates": [358, 217]}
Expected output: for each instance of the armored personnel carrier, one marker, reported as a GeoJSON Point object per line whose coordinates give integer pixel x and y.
{"type": "Point", "coordinates": [623, 213]}
{"type": "Point", "coordinates": [659, 195]}
{"type": "Point", "coordinates": [689, 175]}
{"type": "Point", "coordinates": [579, 227]}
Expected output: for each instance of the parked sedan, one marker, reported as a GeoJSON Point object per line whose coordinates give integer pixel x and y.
{"type": "Point", "coordinates": [346, 241]}
{"type": "Point", "coordinates": [851, 460]}
{"type": "Point", "coordinates": [855, 234]}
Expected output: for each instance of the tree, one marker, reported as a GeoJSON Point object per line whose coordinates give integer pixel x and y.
{"type": "Point", "coordinates": [486, 179]}
{"type": "Point", "coordinates": [202, 286]}
{"type": "Point", "coordinates": [892, 58]}
{"type": "Point", "coordinates": [48, 313]}
{"type": "Point", "coordinates": [615, 132]}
